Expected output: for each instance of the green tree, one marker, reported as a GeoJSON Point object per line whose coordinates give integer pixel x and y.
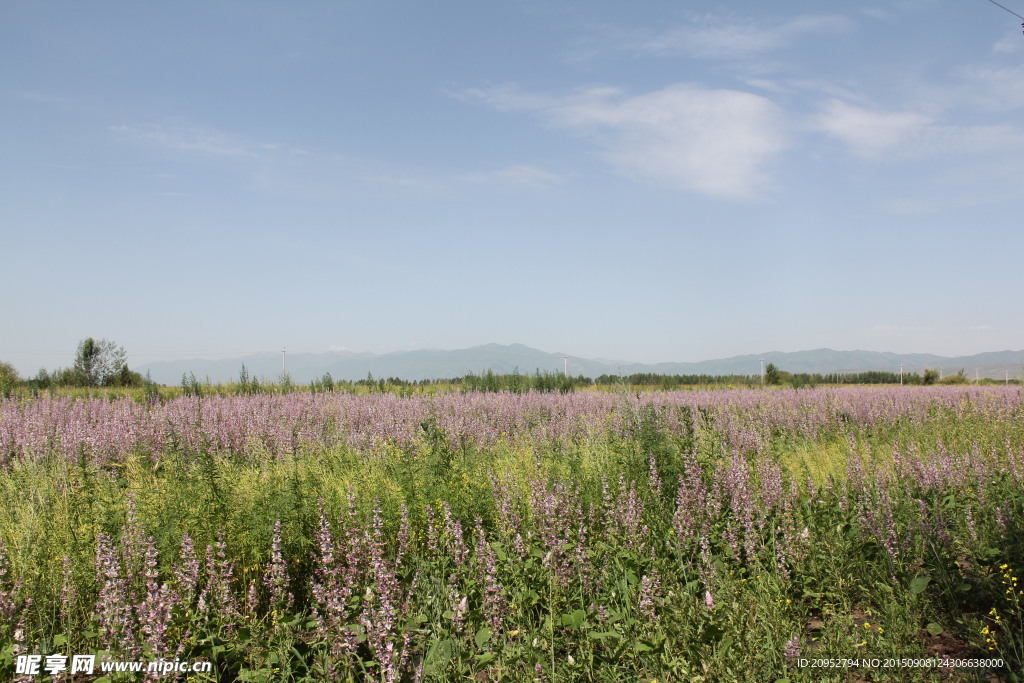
{"type": "Point", "coordinates": [8, 379]}
{"type": "Point", "coordinates": [772, 375]}
{"type": "Point", "coordinates": [99, 363]}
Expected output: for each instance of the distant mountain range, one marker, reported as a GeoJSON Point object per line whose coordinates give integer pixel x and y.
{"type": "Point", "coordinates": [505, 358]}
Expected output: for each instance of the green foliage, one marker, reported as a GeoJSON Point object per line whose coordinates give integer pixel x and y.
{"type": "Point", "coordinates": [324, 384]}
{"type": "Point", "coordinates": [9, 379]}
{"type": "Point", "coordinates": [284, 383]}
{"type": "Point", "coordinates": [101, 363]}
{"type": "Point", "coordinates": [190, 386]}
{"type": "Point", "coordinates": [772, 375]}
{"type": "Point", "coordinates": [541, 381]}
{"type": "Point", "coordinates": [248, 384]}
{"type": "Point", "coordinates": [840, 593]}
{"type": "Point", "coordinates": [959, 378]}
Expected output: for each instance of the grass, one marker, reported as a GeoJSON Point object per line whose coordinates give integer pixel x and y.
{"type": "Point", "coordinates": [535, 558]}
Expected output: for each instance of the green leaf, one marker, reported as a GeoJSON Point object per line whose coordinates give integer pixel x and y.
{"type": "Point", "coordinates": [59, 639]}
{"type": "Point", "coordinates": [482, 637]}
{"type": "Point", "coordinates": [104, 679]}
{"type": "Point", "coordinates": [574, 619]}
{"type": "Point", "coordinates": [439, 654]}
{"type": "Point", "coordinates": [603, 634]}
{"type": "Point", "coordinates": [918, 585]}
{"type": "Point", "coordinates": [934, 628]}
{"type": "Point", "coordinates": [712, 634]}
{"type": "Point", "coordinates": [641, 646]}
{"type": "Point", "coordinates": [485, 657]}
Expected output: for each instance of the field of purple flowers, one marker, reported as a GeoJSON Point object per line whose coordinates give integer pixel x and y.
{"type": "Point", "coordinates": [694, 535]}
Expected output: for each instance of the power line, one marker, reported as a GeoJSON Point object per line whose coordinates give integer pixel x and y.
{"type": "Point", "coordinates": [145, 352]}
{"type": "Point", "coordinates": [1006, 8]}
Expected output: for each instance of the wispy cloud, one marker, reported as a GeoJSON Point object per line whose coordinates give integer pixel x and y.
{"type": "Point", "coordinates": [275, 166]}
{"type": "Point", "coordinates": [523, 175]}
{"type": "Point", "coordinates": [402, 180]}
{"type": "Point", "coordinates": [45, 98]}
{"type": "Point", "coordinates": [866, 132]}
{"type": "Point", "coordinates": [720, 37]}
{"type": "Point", "coordinates": [875, 134]}
{"type": "Point", "coordinates": [988, 87]}
{"type": "Point", "coordinates": [188, 139]}
{"type": "Point", "coordinates": [717, 142]}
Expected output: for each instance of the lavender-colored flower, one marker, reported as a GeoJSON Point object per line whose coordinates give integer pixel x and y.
{"type": "Point", "coordinates": [186, 573]}
{"type": "Point", "coordinates": [68, 594]}
{"type": "Point", "coordinates": [7, 588]}
{"type": "Point", "coordinates": [332, 588]}
{"type": "Point", "coordinates": [380, 612]}
{"type": "Point", "coordinates": [155, 611]}
{"type": "Point", "coordinates": [793, 648]}
{"type": "Point", "coordinates": [114, 611]}
{"type": "Point", "coordinates": [275, 575]}
{"type": "Point", "coordinates": [21, 639]}
{"type": "Point", "coordinates": [653, 478]}
{"type": "Point", "coordinates": [650, 591]}
{"type": "Point", "coordinates": [494, 607]}
{"type": "Point", "coordinates": [217, 598]}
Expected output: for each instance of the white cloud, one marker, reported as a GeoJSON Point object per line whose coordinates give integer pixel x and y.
{"type": "Point", "coordinates": [1009, 43]}
{"type": "Point", "coordinates": [991, 88]}
{"type": "Point", "coordinates": [188, 139]}
{"type": "Point", "coordinates": [717, 142]}
{"type": "Point", "coordinates": [516, 176]}
{"type": "Point", "coordinates": [875, 134]}
{"type": "Point", "coordinates": [715, 37]}
{"type": "Point", "coordinates": [402, 180]}
{"type": "Point", "coordinates": [869, 133]}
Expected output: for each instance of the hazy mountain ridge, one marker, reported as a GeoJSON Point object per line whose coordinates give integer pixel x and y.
{"type": "Point", "coordinates": [506, 358]}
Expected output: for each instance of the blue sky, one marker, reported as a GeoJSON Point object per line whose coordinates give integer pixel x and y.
{"type": "Point", "coordinates": [655, 181]}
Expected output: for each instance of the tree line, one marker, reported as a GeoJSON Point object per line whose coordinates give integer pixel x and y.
{"type": "Point", "coordinates": [98, 363]}
{"type": "Point", "coordinates": [102, 363]}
